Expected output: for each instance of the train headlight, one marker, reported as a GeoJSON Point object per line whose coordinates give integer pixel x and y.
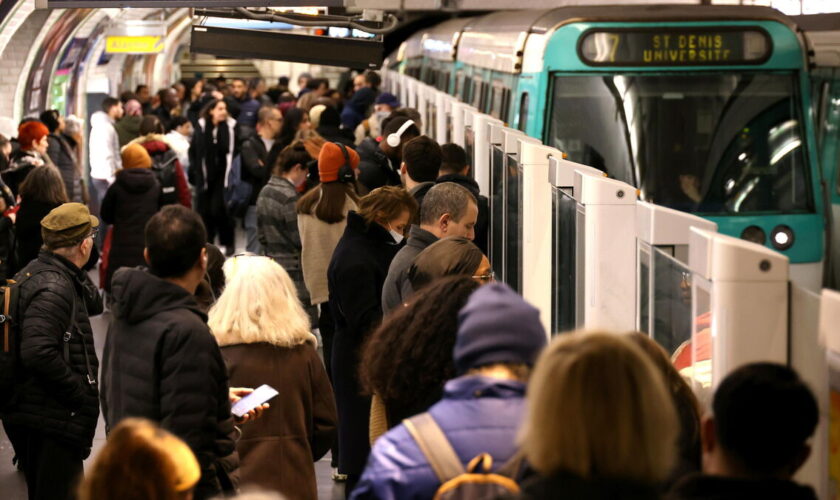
{"type": "Point", "coordinates": [754, 234]}
{"type": "Point", "coordinates": [782, 237]}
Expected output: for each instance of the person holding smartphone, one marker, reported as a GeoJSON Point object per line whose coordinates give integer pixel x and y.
{"type": "Point", "coordinates": [264, 334]}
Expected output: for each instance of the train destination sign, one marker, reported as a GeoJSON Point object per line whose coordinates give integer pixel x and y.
{"type": "Point", "coordinates": [674, 47]}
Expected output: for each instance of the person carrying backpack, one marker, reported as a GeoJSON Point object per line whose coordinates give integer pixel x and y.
{"type": "Point", "coordinates": [464, 446]}
{"type": "Point", "coordinates": [51, 406]}
{"type": "Point", "coordinates": [128, 205]}
{"type": "Point", "coordinates": [165, 164]}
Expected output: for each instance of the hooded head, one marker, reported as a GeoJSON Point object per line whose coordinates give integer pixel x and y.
{"type": "Point", "coordinates": [497, 326]}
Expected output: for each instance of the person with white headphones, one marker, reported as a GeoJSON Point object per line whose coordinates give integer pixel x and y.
{"type": "Point", "coordinates": [380, 165]}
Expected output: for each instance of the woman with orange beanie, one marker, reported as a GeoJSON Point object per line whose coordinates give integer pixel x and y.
{"type": "Point", "coordinates": [129, 203]}
{"type": "Point", "coordinates": [32, 137]}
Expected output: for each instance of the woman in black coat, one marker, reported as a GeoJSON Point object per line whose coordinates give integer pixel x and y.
{"type": "Point", "coordinates": [211, 155]}
{"type": "Point", "coordinates": [40, 192]}
{"type": "Point", "coordinates": [355, 277]}
{"type": "Point", "coordinates": [129, 204]}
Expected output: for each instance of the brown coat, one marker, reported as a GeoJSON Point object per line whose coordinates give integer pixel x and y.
{"type": "Point", "coordinates": [278, 451]}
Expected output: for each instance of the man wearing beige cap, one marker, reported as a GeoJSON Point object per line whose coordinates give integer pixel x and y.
{"type": "Point", "coordinates": [52, 416]}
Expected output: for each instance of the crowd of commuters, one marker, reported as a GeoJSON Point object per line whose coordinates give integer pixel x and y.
{"type": "Point", "coordinates": [365, 297]}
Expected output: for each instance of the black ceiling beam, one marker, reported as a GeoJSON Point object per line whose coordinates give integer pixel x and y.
{"type": "Point", "coordinates": [312, 49]}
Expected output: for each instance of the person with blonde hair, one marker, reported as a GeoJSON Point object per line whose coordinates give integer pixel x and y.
{"type": "Point", "coordinates": [601, 421]}
{"type": "Point", "coordinates": [265, 338]}
{"type": "Point", "coordinates": [141, 461]}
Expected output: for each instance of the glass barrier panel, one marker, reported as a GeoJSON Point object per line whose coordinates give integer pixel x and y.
{"type": "Point", "coordinates": [563, 236]}
{"type": "Point", "coordinates": [671, 301]}
{"type": "Point", "coordinates": [469, 148]}
{"type": "Point", "coordinates": [513, 228]}
{"type": "Point", "coordinates": [580, 265]}
{"type": "Point", "coordinates": [431, 113]}
{"type": "Point", "coordinates": [497, 212]}
{"type": "Point", "coordinates": [644, 287]}
{"type": "Point", "coordinates": [693, 359]}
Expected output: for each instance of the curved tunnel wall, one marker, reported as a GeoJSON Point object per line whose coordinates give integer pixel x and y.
{"type": "Point", "coordinates": [51, 56]}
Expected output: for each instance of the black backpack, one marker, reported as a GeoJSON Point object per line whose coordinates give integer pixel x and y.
{"type": "Point", "coordinates": [163, 165]}
{"type": "Point", "coordinates": [10, 322]}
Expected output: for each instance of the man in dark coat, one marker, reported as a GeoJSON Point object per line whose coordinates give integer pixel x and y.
{"type": "Point", "coordinates": [258, 156]}
{"type": "Point", "coordinates": [448, 210]}
{"type": "Point", "coordinates": [380, 165]}
{"type": "Point", "coordinates": [455, 168]}
{"type": "Point", "coordinates": [52, 416]}
{"type": "Point", "coordinates": [168, 102]}
{"type": "Point", "coordinates": [421, 159]}
{"type": "Point", "coordinates": [161, 362]}
{"type": "Point", "coordinates": [755, 438]}
{"type": "Point", "coordinates": [62, 155]}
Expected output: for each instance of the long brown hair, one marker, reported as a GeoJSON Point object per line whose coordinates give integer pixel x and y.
{"type": "Point", "coordinates": [327, 201]}
{"type": "Point", "coordinates": [44, 184]}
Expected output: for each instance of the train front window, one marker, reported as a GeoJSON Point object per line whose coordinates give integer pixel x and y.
{"type": "Point", "coordinates": [709, 143]}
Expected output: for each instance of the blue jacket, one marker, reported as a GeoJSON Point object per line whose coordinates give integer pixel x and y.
{"type": "Point", "coordinates": [477, 414]}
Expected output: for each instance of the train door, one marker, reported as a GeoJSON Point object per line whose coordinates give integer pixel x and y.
{"type": "Point", "coordinates": [827, 101]}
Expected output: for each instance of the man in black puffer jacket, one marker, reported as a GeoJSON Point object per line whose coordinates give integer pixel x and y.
{"type": "Point", "coordinates": [52, 416]}
{"type": "Point", "coordinates": [161, 362]}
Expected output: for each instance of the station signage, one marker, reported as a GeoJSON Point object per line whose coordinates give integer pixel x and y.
{"type": "Point", "coordinates": [135, 37]}
{"type": "Point", "coordinates": [674, 47]}
{"type": "Point", "coordinates": [116, 44]}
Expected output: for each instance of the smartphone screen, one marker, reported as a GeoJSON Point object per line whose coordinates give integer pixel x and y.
{"type": "Point", "coordinates": [260, 395]}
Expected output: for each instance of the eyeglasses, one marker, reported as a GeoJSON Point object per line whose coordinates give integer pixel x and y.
{"type": "Point", "coordinates": [490, 276]}
{"type": "Point", "coordinates": [93, 233]}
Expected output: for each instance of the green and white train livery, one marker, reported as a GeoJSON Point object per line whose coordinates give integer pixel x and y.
{"type": "Point", "coordinates": [706, 109]}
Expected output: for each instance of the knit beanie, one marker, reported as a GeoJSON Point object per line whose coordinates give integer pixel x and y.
{"type": "Point", "coordinates": [497, 326]}
{"type": "Point", "coordinates": [315, 114]}
{"type": "Point", "coordinates": [135, 156]}
{"type": "Point", "coordinates": [331, 160]}
{"type": "Point", "coordinates": [29, 132]}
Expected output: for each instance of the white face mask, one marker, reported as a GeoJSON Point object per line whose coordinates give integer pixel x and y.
{"type": "Point", "coordinates": [381, 115]}
{"type": "Point", "coordinates": [398, 237]}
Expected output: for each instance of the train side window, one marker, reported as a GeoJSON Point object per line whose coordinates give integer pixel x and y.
{"type": "Point", "coordinates": [506, 106]}
{"type": "Point", "coordinates": [524, 101]}
{"type": "Point", "coordinates": [476, 92]}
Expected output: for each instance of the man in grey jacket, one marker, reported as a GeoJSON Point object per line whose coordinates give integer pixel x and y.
{"type": "Point", "coordinates": [448, 210]}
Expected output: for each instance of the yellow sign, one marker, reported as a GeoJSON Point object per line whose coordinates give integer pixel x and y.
{"type": "Point", "coordinates": [134, 44]}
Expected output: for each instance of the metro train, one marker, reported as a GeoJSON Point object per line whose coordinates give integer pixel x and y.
{"type": "Point", "coordinates": [706, 109]}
